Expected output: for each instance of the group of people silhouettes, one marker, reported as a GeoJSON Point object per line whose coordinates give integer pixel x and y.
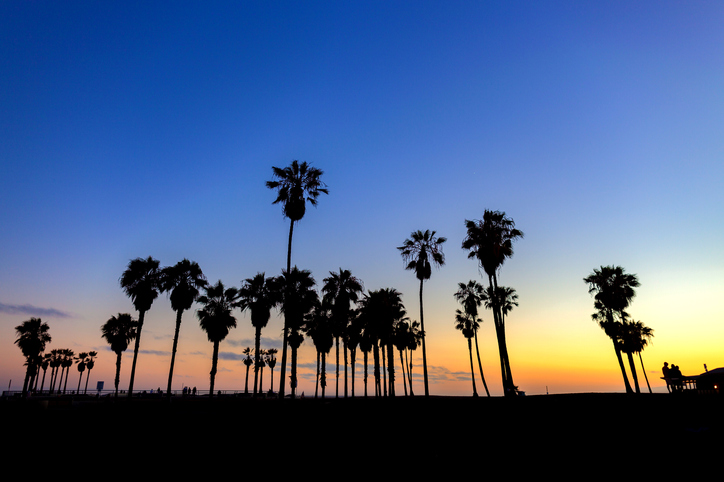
{"type": "Point", "coordinates": [673, 376]}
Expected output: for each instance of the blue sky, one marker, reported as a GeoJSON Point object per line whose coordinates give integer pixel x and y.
{"type": "Point", "coordinates": [149, 128]}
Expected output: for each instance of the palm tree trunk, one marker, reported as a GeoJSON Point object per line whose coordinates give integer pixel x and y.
{"type": "Point", "coordinates": [336, 347]}
{"type": "Point", "coordinates": [118, 371]}
{"type": "Point", "coordinates": [644, 370]}
{"type": "Point", "coordinates": [621, 365]}
{"type": "Point", "coordinates": [173, 352]}
{"type": "Point", "coordinates": [365, 357]}
{"type": "Point", "coordinates": [316, 380]}
{"type": "Point", "coordinates": [80, 379]}
{"type": "Point", "coordinates": [424, 350]}
{"type": "Point", "coordinates": [404, 376]}
{"type": "Point", "coordinates": [480, 364]}
{"type": "Point", "coordinates": [508, 385]}
{"type": "Point", "coordinates": [409, 375]}
{"type": "Point", "coordinates": [293, 380]}
{"type": "Point", "coordinates": [391, 367]}
{"type": "Point", "coordinates": [633, 371]}
{"type": "Point", "coordinates": [283, 368]}
{"type": "Point", "coordinates": [85, 390]}
{"type": "Point", "coordinates": [214, 360]}
{"type": "Point", "coordinates": [324, 375]}
{"type": "Point", "coordinates": [257, 350]}
{"type": "Point", "coordinates": [472, 367]}
{"type": "Point", "coordinates": [344, 350]}
{"type": "Point", "coordinates": [352, 359]}
{"type": "Point", "coordinates": [141, 315]}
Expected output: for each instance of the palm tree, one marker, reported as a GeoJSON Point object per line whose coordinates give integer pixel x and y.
{"type": "Point", "coordinates": [471, 296]}
{"type": "Point", "coordinates": [140, 283]}
{"type": "Point", "coordinates": [490, 242]}
{"type": "Point", "coordinates": [89, 365]}
{"type": "Point", "coordinates": [468, 325]}
{"type": "Point", "coordinates": [299, 299]}
{"type": "Point", "coordinates": [259, 295]}
{"type": "Point", "coordinates": [56, 359]}
{"type": "Point", "coordinates": [44, 365]}
{"type": "Point", "coordinates": [613, 290]}
{"type": "Point", "coordinates": [31, 337]}
{"type": "Point", "coordinates": [66, 364]}
{"type": "Point", "coordinates": [216, 319]}
{"type": "Point", "coordinates": [81, 361]}
{"type": "Point", "coordinates": [271, 362]}
{"type": "Point", "coordinates": [182, 282]}
{"type": "Point", "coordinates": [319, 327]}
{"type": "Point", "coordinates": [248, 362]}
{"type": "Point", "coordinates": [296, 185]}
{"type": "Point", "coordinates": [119, 331]}
{"type": "Point", "coordinates": [420, 252]}
{"type": "Point", "coordinates": [341, 289]}
{"type": "Point", "coordinates": [259, 366]}
{"type": "Point", "coordinates": [636, 337]}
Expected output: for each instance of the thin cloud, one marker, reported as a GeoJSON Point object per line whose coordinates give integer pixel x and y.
{"type": "Point", "coordinates": [33, 311]}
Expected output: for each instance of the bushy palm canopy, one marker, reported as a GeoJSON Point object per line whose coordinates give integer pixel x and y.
{"type": "Point", "coordinates": [298, 295]}
{"type": "Point", "coordinates": [490, 240]}
{"type": "Point", "coordinates": [296, 185]}
{"type": "Point", "coordinates": [31, 337]}
{"type": "Point", "coordinates": [119, 331]}
{"type": "Point", "coordinates": [339, 291]}
{"type": "Point", "coordinates": [140, 282]}
{"type": "Point", "coordinates": [183, 281]}
{"type": "Point", "coordinates": [612, 287]}
{"type": "Point", "coordinates": [215, 316]}
{"type": "Point", "coordinates": [471, 296]}
{"type": "Point", "coordinates": [259, 295]}
{"type": "Point", "coordinates": [421, 251]}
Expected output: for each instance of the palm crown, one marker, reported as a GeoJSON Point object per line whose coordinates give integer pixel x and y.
{"type": "Point", "coordinates": [296, 185]}
{"type": "Point", "coordinates": [421, 251]}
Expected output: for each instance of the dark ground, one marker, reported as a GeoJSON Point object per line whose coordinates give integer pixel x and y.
{"type": "Point", "coordinates": [561, 434]}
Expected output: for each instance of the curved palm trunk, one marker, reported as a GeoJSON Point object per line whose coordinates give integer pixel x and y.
{"type": "Point", "coordinates": [472, 367]}
{"type": "Point", "coordinates": [85, 390]}
{"type": "Point", "coordinates": [173, 351]}
{"type": "Point", "coordinates": [634, 375]}
{"type": "Point", "coordinates": [118, 371]}
{"type": "Point", "coordinates": [212, 374]}
{"type": "Point", "coordinates": [644, 370]}
{"type": "Point", "coordinates": [141, 316]}
{"type": "Point", "coordinates": [283, 368]}
{"type": "Point", "coordinates": [480, 365]}
{"type": "Point", "coordinates": [621, 365]}
{"type": "Point", "coordinates": [404, 377]}
{"type": "Point", "coordinates": [508, 385]}
{"type": "Point", "coordinates": [424, 350]}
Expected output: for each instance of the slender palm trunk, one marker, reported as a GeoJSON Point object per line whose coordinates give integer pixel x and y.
{"type": "Point", "coordinates": [80, 379]}
{"type": "Point", "coordinates": [472, 367]}
{"type": "Point", "coordinates": [391, 367]}
{"type": "Point", "coordinates": [257, 351]}
{"type": "Point", "coordinates": [480, 365]}
{"type": "Point", "coordinates": [344, 349]}
{"type": "Point", "coordinates": [336, 347]}
{"type": "Point", "coordinates": [644, 371]}
{"type": "Point", "coordinates": [141, 315]}
{"type": "Point", "coordinates": [365, 357]}
{"type": "Point", "coordinates": [246, 383]}
{"type": "Point", "coordinates": [634, 375]}
{"type": "Point", "coordinates": [316, 380]}
{"type": "Point", "coordinates": [283, 368]}
{"type": "Point", "coordinates": [409, 374]}
{"type": "Point", "coordinates": [293, 379]}
{"type": "Point", "coordinates": [118, 371]}
{"type": "Point", "coordinates": [376, 355]}
{"type": "Point", "coordinates": [621, 365]}
{"type": "Point", "coordinates": [173, 352]}
{"type": "Point", "coordinates": [404, 376]}
{"type": "Point", "coordinates": [352, 357]}
{"type": "Point", "coordinates": [424, 350]}
{"type": "Point", "coordinates": [214, 361]}
{"type": "Point", "coordinates": [324, 375]}
{"type": "Point", "coordinates": [508, 385]}
{"type": "Point", "coordinates": [87, 377]}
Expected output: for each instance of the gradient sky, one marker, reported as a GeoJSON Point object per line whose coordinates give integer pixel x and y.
{"type": "Point", "coordinates": [135, 129]}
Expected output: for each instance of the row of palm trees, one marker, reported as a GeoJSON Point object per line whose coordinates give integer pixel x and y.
{"type": "Point", "coordinates": [613, 290]}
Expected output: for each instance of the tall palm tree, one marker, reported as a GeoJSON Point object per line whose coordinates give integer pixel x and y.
{"type": "Point", "coordinates": [140, 283]}
{"type": "Point", "coordinates": [468, 325]}
{"type": "Point", "coordinates": [31, 337]}
{"type": "Point", "coordinates": [66, 364]}
{"type": "Point", "coordinates": [216, 319]}
{"type": "Point", "coordinates": [56, 358]}
{"type": "Point", "coordinates": [613, 290]}
{"type": "Point", "coordinates": [271, 362]}
{"type": "Point", "coordinates": [183, 282]}
{"type": "Point", "coordinates": [44, 365]}
{"type": "Point", "coordinates": [299, 299]}
{"type": "Point", "coordinates": [259, 295]}
{"type": "Point", "coordinates": [248, 362]}
{"type": "Point", "coordinates": [119, 331]}
{"type": "Point", "coordinates": [636, 337]}
{"type": "Point", "coordinates": [421, 251]}
{"type": "Point", "coordinates": [296, 185]}
{"type": "Point", "coordinates": [340, 290]}
{"type": "Point", "coordinates": [471, 296]}
{"type": "Point", "coordinates": [318, 327]}
{"type": "Point", "coordinates": [490, 242]}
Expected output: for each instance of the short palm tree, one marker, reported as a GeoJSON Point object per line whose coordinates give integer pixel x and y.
{"type": "Point", "coordinates": [318, 327]}
{"type": "Point", "coordinates": [31, 337]}
{"type": "Point", "coordinates": [421, 251]}
{"type": "Point", "coordinates": [613, 290]}
{"type": "Point", "coordinates": [140, 283]}
{"type": "Point", "coordinates": [183, 282]}
{"type": "Point", "coordinates": [119, 331]}
{"type": "Point", "coordinates": [471, 296]}
{"type": "Point", "coordinates": [259, 295]}
{"type": "Point", "coordinates": [490, 242]}
{"type": "Point", "coordinates": [248, 362]}
{"type": "Point", "coordinates": [81, 360]}
{"type": "Point", "coordinates": [89, 366]}
{"type": "Point", "coordinates": [468, 325]}
{"type": "Point", "coordinates": [216, 319]}
{"type": "Point", "coordinates": [296, 185]}
{"type": "Point", "coordinates": [271, 362]}
{"type": "Point", "coordinates": [339, 291]}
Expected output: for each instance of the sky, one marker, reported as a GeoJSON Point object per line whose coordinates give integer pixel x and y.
{"type": "Point", "coordinates": [136, 129]}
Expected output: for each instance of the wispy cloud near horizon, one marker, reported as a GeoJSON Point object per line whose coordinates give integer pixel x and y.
{"type": "Point", "coordinates": [33, 311]}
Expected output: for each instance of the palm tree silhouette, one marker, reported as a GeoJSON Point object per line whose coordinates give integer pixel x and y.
{"type": "Point", "coordinates": [420, 252]}
{"type": "Point", "coordinates": [216, 319]}
{"type": "Point", "coordinates": [299, 299]}
{"type": "Point", "coordinates": [182, 282]}
{"type": "Point", "coordinates": [259, 295]}
{"type": "Point", "coordinates": [318, 327]}
{"type": "Point", "coordinates": [341, 289]}
{"type": "Point", "coordinates": [31, 337]}
{"type": "Point", "coordinates": [81, 361]}
{"type": "Point", "coordinates": [90, 363]}
{"type": "Point", "coordinates": [613, 290]}
{"type": "Point", "coordinates": [44, 365]}
{"type": "Point", "coordinates": [490, 242]}
{"type": "Point", "coordinates": [471, 296]}
{"type": "Point", "coordinates": [119, 331]}
{"type": "Point", "coordinates": [248, 362]}
{"type": "Point", "coordinates": [66, 363]}
{"type": "Point", "coordinates": [140, 283]}
{"type": "Point", "coordinates": [296, 185]}
{"type": "Point", "coordinates": [636, 337]}
{"type": "Point", "coordinates": [271, 361]}
{"type": "Point", "coordinates": [468, 325]}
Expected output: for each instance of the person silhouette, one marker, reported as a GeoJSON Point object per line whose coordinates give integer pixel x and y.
{"type": "Point", "coordinates": [665, 372]}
